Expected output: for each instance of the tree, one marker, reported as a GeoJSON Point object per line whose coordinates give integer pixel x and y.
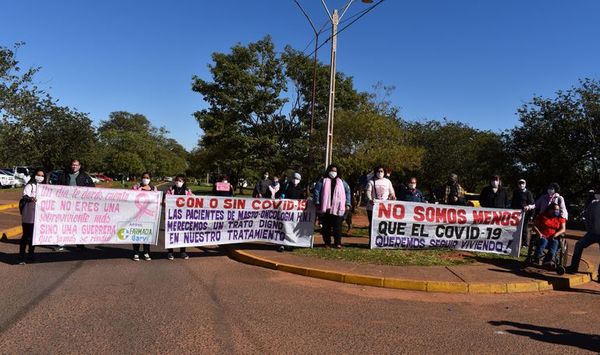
{"type": "Point", "coordinates": [557, 139]}
{"type": "Point", "coordinates": [39, 131]}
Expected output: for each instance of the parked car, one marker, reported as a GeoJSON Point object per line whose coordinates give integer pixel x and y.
{"type": "Point", "coordinates": [95, 179]}
{"type": "Point", "coordinates": [103, 177]}
{"type": "Point", "coordinates": [7, 179]}
{"type": "Point", "coordinates": [24, 172]}
{"type": "Point", "coordinates": [168, 178]}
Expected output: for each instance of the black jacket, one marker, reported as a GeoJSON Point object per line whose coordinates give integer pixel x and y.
{"type": "Point", "coordinates": [521, 199]}
{"type": "Point", "coordinates": [498, 199]}
{"type": "Point", "coordinates": [292, 192]}
{"type": "Point", "coordinates": [83, 179]}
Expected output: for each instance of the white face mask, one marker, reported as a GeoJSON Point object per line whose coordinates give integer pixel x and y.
{"type": "Point", "coordinates": [412, 186]}
{"type": "Point", "coordinates": [179, 183]}
{"type": "Point", "coordinates": [597, 196]}
{"type": "Point", "coordinates": [550, 191]}
{"type": "Point", "coordinates": [333, 174]}
{"type": "Point", "coordinates": [379, 175]}
{"type": "Point", "coordinates": [296, 181]}
{"type": "Point", "coordinates": [145, 181]}
{"type": "Point", "coordinates": [39, 179]}
{"type": "Point", "coordinates": [224, 181]}
{"type": "Point", "coordinates": [495, 183]}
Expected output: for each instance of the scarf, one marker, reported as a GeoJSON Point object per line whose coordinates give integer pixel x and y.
{"type": "Point", "coordinates": [337, 205]}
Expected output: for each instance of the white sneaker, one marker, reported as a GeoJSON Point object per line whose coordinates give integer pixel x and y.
{"type": "Point", "coordinates": [147, 257]}
{"type": "Point", "coordinates": [184, 256]}
{"type": "Point", "coordinates": [136, 257]}
{"type": "Point", "coordinates": [170, 256]}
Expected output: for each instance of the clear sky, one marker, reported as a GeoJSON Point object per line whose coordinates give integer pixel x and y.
{"type": "Point", "coordinates": [473, 61]}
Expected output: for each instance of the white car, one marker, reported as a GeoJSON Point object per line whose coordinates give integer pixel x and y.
{"type": "Point", "coordinates": [7, 179]}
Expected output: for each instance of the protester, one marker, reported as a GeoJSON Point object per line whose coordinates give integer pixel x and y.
{"type": "Point", "coordinates": [549, 225]}
{"type": "Point", "coordinates": [494, 195]}
{"type": "Point", "coordinates": [262, 187]}
{"type": "Point", "coordinates": [293, 191]}
{"type": "Point", "coordinates": [145, 185]}
{"type": "Point", "coordinates": [27, 208]}
{"type": "Point", "coordinates": [178, 188]}
{"type": "Point", "coordinates": [223, 187]}
{"type": "Point", "coordinates": [274, 188]}
{"type": "Point", "coordinates": [74, 176]}
{"type": "Point", "coordinates": [522, 198]}
{"type": "Point", "coordinates": [410, 192]}
{"type": "Point", "coordinates": [332, 199]}
{"type": "Point", "coordinates": [452, 193]}
{"type": "Point", "coordinates": [378, 188]}
{"type": "Point", "coordinates": [552, 196]}
{"type": "Point", "coordinates": [592, 235]}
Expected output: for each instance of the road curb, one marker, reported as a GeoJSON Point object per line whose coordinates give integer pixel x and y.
{"type": "Point", "coordinates": [9, 206]}
{"type": "Point", "coordinates": [555, 283]}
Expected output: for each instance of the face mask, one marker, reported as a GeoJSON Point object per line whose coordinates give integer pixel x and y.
{"type": "Point", "coordinates": [379, 175]}
{"type": "Point", "coordinates": [495, 183]}
{"type": "Point", "coordinates": [179, 183]}
{"type": "Point", "coordinates": [412, 186]}
{"type": "Point", "coordinates": [550, 191]}
{"type": "Point", "coordinates": [145, 181]}
{"type": "Point", "coordinates": [225, 181]}
{"type": "Point", "coordinates": [597, 196]}
{"type": "Point", "coordinates": [296, 181]}
{"type": "Point", "coordinates": [266, 176]}
{"type": "Point", "coordinates": [333, 174]}
{"type": "Point", "coordinates": [556, 213]}
{"type": "Point", "coordinates": [39, 179]}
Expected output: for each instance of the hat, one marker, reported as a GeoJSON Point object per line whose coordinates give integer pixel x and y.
{"type": "Point", "coordinates": [522, 180]}
{"type": "Point", "coordinates": [297, 176]}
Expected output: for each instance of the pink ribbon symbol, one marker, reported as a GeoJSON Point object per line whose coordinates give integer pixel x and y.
{"type": "Point", "coordinates": [142, 202]}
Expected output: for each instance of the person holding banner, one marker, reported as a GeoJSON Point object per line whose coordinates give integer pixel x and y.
{"type": "Point", "coordinates": [27, 208]}
{"type": "Point", "coordinates": [332, 199]}
{"type": "Point", "coordinates": [223, 187]}
{"type": "Point", "coordinates": [522, 197]}
{"type": "Point", "coordinates": [145, 185]}
{"type": "Point", "coordinates": [292, 191]}
{"type": "Point", "coordinates": [410, 193]}
{"type": "Point", "coordinates": [74, 176]}
{"type": "Point", "coordinates": [274, 188]}
{"type": "Point", "coordinates": [494, 195]}
{"type": "Point", "coordinates": [179, 188]}
{"type": "Point", "coordinates": [378, 188]}
{"type": "Point", "coordinates": [552, 196]}
{"type": "Point", "coordinates": [548, 226]}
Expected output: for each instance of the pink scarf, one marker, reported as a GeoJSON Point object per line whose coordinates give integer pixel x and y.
{"type": "Point", "coordinates": [338, 205]}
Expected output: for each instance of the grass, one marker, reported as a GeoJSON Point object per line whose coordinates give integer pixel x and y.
{"type": "Point", "coordinates": [426, 257]}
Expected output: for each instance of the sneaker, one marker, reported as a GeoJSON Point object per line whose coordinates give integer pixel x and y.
{"type": "Point", "coordinates": [147, 257]}
{"type": "Point", "coordinates": [281, 248]}
{"type": "Point", "coordinates": [136, 257]}
{"type": "Point", "coordinates": [59, 248]}
{"type": "Point", "coordinates": [338, 246]}
{"type": "Point", "coordinates": [170, 256]}
{"type": "Point", "coordinates": [22, 262]}
{"type": "Point", "coordinates": [184, 256]}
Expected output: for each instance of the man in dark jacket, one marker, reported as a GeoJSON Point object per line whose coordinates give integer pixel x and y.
{"type": "Point", "coordinates": [293, 190]}
{"type": "Point", "coordinates": [592, 226]}
{"type": "Point", "coordinates": [75, 176]}
{"type": "Point", "coordinates": [262, 187]}
{"type": "Point", "coordinates": [494, 195]}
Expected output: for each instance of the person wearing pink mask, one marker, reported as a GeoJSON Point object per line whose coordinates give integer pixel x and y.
{"type": "Point", "coordinates": [494, 195]}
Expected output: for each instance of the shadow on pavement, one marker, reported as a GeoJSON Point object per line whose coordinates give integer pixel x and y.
{"type": "Point", "coordinates": [590, 342]}
{"type": "Point", "coordinates": [46, 254]}
{"type": "Point", "coordinates": [514, 267]}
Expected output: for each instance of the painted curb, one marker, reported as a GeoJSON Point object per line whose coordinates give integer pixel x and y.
{"type": "Point", "coordinates": [11, 232]}
{"type": "Point", "coordinates": [554, 283]}
{"type": "Point", "coordinates": [9, 206]}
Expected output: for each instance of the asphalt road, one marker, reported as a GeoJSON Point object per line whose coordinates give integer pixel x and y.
{"type": "Point", "coordinates": [100, 301]}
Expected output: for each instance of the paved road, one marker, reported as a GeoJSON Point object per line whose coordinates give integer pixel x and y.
{"type": "Point", "coordinates": [99, 301]}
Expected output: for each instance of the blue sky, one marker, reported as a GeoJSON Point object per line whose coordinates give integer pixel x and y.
{"type": "Point", "coordinates": [472, 61]}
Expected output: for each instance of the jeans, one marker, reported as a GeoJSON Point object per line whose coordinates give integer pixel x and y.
{"type": "Point", "coordinates": [551, 244]}
{"type": "Point", "coordinates": [332, 225]}
{"type": "Point", "coordinates": [26, 240]}
{"type": "Point", "coordinates": [136, 248]}
{"type": "Point", "coordinates": [587, 240]}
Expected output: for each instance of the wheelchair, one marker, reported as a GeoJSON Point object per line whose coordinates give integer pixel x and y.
{"type": "Point", "coordinates": [559, 261]}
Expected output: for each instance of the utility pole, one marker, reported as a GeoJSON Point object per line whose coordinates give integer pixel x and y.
{"type": "Point", "coordinates": [330, 114]}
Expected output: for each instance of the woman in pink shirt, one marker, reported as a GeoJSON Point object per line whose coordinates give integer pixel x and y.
{"type": "Point", "coordinates": [378, 188]}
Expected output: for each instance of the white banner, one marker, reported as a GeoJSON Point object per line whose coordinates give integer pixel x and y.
{"type": "Point", "coordinates": [209, 220]}
{"type": "Point", "coordinates": [410, 225]}
{"type": "Point", "coordinates": [88, 215]}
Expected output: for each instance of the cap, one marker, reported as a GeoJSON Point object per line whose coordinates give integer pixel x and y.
{"type": "Point", "coordinates": [522, 180]}
{"type": "Point", "coordinates": [297, 176]}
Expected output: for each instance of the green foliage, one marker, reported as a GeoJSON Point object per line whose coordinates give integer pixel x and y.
{"type": "Point", "coordinates": [131, 145]}
{"type": "Point", "coordinates": [558, 139]}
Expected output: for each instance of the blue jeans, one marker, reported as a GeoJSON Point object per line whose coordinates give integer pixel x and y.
{"type": "Point", "coordinates": [551, 244]}
{"type": "Point", "coordinates": [587, 240]}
